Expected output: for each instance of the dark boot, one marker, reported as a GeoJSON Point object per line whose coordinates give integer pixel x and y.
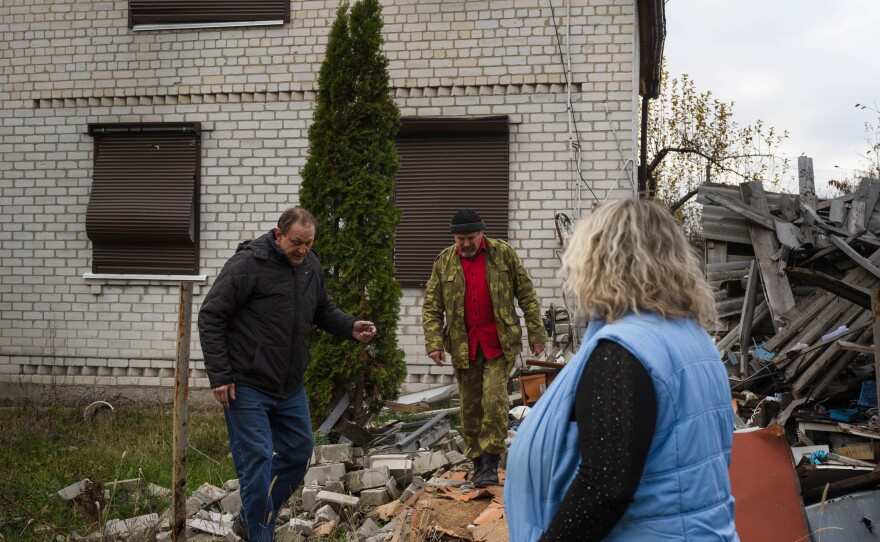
{"type": "Point", "coordinates": [239, 528]}
{"type": "Point", "coordinates": [478, 467]}
{"type": "Point", "coordinates": [488, 475]}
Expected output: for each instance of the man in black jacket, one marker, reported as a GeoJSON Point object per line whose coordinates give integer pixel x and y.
{"type": "Point", "coordinates": [253, 327]}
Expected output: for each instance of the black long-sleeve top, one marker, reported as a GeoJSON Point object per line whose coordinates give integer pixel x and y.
{"type": "Point", "coordinates": [615, 410]}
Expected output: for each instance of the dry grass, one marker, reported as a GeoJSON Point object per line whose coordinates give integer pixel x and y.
{"type": "Point", "coordinates": [43, 449]}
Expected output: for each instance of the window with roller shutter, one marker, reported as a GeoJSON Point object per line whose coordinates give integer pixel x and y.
{"type": "Point", "coordinates": [207, 12]}
{"type": "Point", "coordinates": [446, 165]}
{"type": "Point", "coordinates": [143, 212]}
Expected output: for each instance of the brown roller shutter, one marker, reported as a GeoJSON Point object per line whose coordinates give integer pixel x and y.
{"type": "Point", "coordinates": [447, 165]}
{"type": "Point", "coordinates": [143, 213]}
{"type": "Point", "coordinates": [206, 11]}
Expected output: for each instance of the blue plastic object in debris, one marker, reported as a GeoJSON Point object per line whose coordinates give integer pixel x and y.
{"type": "Point", "coordinates": [765, 355]}
{"type": "Point", "coordinates": [818, 457]}
{"type": "Point", "coordinates": [868, 397]}
{"type": "Point", "coordinates": [843, 414]}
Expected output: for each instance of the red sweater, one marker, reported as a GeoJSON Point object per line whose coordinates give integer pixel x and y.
{"type": "Point", "coordinates": [479, 318]}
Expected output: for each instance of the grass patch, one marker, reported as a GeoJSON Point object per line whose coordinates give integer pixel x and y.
{"type": "Point", "coordinates": [43, 449]}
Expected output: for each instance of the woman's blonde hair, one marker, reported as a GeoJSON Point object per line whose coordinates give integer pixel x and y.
{"type": "Point", "coordinates": [632, 256]}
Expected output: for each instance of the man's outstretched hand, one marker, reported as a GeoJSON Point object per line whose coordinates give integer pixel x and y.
{"type": "Point", "coordinates": [363, 331]}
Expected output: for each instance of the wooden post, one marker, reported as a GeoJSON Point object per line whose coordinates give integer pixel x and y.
{"type": "Point", "coordinates": [745, 321]}
{"type": "Point", "coordinates": [807, 185]}
{"type": "Point", "coordinates": [777, 290]}
{"type": "Point", "coordinates": [181, 392]}
{"type": "Point", "coordinates": [875, 303]}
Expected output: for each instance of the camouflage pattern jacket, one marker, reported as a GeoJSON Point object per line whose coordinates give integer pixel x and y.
{"type": "Point", "coordinates": [508, 280]}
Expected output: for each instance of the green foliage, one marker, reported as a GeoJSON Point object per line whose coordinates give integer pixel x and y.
{"type": "Point", "coordinates": [47, 449]}
{"type": "Point", "coordinates": [348, 183]}
{"type": "Point", "coordinates": [692, 139]}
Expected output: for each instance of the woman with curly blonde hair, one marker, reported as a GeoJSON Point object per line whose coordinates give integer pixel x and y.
{"type": "Point", "coordinates": [632, 440]}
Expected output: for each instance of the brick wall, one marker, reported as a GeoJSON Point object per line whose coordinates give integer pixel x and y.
{"type": "Point", "coordinates": [67, 63]}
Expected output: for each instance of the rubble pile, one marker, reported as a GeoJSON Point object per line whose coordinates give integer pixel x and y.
{"type": "Point", "coordinates": [796, 280]}
{"type": "Point", "coordinates": [377, 494]}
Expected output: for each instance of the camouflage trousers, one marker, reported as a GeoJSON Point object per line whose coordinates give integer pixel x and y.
{"type": "Point", "coordinates": [482, 389]}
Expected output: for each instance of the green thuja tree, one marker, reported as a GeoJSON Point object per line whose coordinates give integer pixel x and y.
{"type": "Point", "coordinates": [348, 183]}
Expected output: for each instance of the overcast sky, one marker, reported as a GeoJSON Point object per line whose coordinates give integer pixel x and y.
{"type": "Point", "coordinates": [799, 65]}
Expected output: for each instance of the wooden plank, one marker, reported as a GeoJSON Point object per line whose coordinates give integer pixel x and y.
{"type": "Point", "coordinates": [808, 358]}
{"type": "Point", "coordinates": [777, 290]}
{"type": "Point", "coordinates": [875, 322]}
{"type": "Point", "coordinates": [853, 347]}
{"type": "Point", "coordinates": [856, 219]}
{"type": "Point", "coordinates": [760, 312]}
{"type": "Point", "coordinates": [761, 217]}
{"type": "Point", "coordinates": [818, 306]}
{"type": "Point", "coordinates": [807, 190]}
{"type": "Point", "coordinates": [826, 204]}
{"type": "Point", "coordinates": [815, 368]}
{"type": "Point", "coordinates": [828, 250]}
{"type": "Point", "coordinates": [837, 212]}
{"type": "Point", "coordinates": [871, 200]}
{"type": "Point", "coordinates": [745, 321]}
{"type": "Point", "coordinates": [856, 294]}
{"type": "Point", "coordinates": [866, 238]}
{"type": "Point", "coordinates": [716, 251]}
{"type": "Point", "coordinates": [181, 422]}
{"type": "Point", "coordinates": [855, 256]}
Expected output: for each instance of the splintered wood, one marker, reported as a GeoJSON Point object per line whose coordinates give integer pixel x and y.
{"type": "Point", "coordinates": [793, 276]}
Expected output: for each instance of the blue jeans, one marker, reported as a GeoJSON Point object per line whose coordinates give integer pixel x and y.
{"type": "Point", "coordinates": [258, 424]}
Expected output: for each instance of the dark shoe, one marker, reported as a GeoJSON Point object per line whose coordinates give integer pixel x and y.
{"type": "Point", "coordinates": [478, 466]}
{"type": "Point", "coordinates": [488, 475]}
{"type": "Point", "coordinates": [239, 528]}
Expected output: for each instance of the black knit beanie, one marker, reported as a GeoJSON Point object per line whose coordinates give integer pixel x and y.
{"type": "Point", "coordinates": [466, 221]}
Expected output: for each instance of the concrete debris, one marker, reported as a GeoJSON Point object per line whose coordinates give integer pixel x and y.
{"type": "Point", "coordinates": [326, 514]}
{"type": "Point", "coordinates": [73, 490]}
{"type": "Point", "coordinates": [349, 493]}
{"type": "Point", "coordinates": [131, 527]}
{"type": "Point", "coordinates": [367, 479]}
{"type": "Point", "coordinates": [333, 453]}
{"type": "Point", "coordinates": [231, 503]}
{"type": "Point", "coordinates": [337, 500]}
{"type": "Point", "coordinates": [319, 475]}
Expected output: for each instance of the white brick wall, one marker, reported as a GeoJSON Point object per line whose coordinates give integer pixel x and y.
{"type": "Point", "coordinates": [67, 63]}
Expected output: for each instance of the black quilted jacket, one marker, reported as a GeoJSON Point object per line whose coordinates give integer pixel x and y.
{"type": "Point", "coordinates": [255, 320]}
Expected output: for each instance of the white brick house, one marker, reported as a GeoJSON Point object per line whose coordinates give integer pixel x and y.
{"type": "Point", "coordinates": [69, 64]}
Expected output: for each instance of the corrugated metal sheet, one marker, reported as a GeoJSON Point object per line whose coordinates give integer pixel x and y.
{"type": "Point", "coordinates": [206, 11]}
{"type": "Point", "coordinates": [142, 215]}
{"type": "Point", "coordinates": [720, 224]}
{"type": "Point", "coordinates": [441, 174]}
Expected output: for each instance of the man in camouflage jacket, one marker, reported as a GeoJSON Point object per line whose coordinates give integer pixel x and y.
{"type": "Point", "coordinates": [469, 311]}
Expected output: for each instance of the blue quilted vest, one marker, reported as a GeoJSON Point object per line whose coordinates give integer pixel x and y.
{"type": "Point", "coordinates": [684, 493]}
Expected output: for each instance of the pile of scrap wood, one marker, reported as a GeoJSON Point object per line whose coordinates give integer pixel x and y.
{"type": "Point", "coordinates": [797, 281]}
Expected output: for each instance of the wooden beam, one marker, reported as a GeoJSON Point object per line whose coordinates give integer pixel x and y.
{"type": "Point", "coordinates": [829, 249]}
{"type": "Point", "coordinates": [763, 219]}
{"type": "Point", "coordinates": [856, 294]}
{"type": "Point", "coordinates": [875, 322]}
{"type": "Point", "coordinates": [745, 321]}
{"type": "Point", "coordinates": [777, 290]}
{"type": "Point", "coordinates": [760, 312]}
{"type": "Point", "coordinates": [855, 256]}
{"type": "Point", "coordinates": [853, 347]}
{"type": "Point", "coordinates": [807, 189]}
{"type": "Point", "coordinates": [865, 237]}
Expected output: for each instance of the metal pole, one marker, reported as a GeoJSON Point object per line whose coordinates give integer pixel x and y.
{"type": "Point", "coordinates": [181, 389]}
{"type": "Point", "coordinates": [875, 319]}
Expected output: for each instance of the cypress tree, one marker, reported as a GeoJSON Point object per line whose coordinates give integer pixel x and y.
{"type": "Point", "coordinates": [348, 183]}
